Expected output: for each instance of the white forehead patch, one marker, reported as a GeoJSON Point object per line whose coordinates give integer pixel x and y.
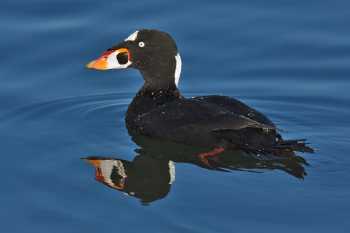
{"type": "Point", "coordinates": [178, 69]}
{"type": "Point", "coordinates": [132, 37]}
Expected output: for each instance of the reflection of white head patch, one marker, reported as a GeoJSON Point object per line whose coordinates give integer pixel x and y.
{"type": "Point", "coordinates": [132, 37]}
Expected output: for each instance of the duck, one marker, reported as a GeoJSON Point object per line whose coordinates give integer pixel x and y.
{"type": "Point", "coordinates": [160, 111]}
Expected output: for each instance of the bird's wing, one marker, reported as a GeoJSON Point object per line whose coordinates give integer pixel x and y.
{"type": "Point", "coordinates": [191, 114]}
{"type": "Point", "coordinates": [236, 106]}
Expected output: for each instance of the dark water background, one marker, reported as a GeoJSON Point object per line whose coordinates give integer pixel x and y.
{"type": "Point", "coordinates": [289, 59]}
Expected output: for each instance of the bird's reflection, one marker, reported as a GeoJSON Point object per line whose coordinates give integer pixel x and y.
{"type": "Point", "coordinates": [144, 177]}
{"type": "Point", "coordinates": [150, 174]}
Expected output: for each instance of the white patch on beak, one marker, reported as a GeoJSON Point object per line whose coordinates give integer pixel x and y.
{"type": "Point", "coordinates": [113, 63]}
{"type": "Point", "coordinates": [132, 37]}
{"type": "Point", "coordinates": [177, 69]}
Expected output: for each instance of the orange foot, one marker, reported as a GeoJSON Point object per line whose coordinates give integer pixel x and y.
{"type": "Point", "coordinates": [215, 152]}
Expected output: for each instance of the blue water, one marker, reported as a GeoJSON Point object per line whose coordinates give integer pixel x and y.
{"type": "Point", "coordinates": [288, 59]}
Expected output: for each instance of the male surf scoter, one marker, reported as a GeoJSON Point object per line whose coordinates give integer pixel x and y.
{"type": "Point", "coordinates": [160, 111]}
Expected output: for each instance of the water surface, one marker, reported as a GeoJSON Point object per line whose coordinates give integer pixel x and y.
{"type": "Point", "coordinates": [288, 59]}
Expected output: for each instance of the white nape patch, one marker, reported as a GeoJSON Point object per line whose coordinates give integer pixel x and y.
{"type": "Point", "coordinates": [178, 69]}
{"type": "Point", "coordinates": [132, 37]}
{"type": "Point", "coordinates": [171, 171]}
{"type": "Point", "coordinates": [112, 62]}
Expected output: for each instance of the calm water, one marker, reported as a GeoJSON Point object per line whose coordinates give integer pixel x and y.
{"type": "Point", "coordinates": [290, 60]}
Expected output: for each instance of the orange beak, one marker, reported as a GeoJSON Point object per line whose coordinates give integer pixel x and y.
{"type": "Point", "coordinates": [98, 64]}
{"type": "Point", "coordinates": [101, 63]}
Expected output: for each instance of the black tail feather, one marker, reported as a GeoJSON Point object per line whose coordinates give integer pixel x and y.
{"type": "Point", "coordinates": [295, 145]}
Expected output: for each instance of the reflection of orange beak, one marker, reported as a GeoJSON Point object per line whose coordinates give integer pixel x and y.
{"type": "Point", "coordinates": [94, 162]}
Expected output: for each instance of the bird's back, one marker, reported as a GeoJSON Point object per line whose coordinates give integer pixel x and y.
{"type": "Point", "coordinates": [202, 121]}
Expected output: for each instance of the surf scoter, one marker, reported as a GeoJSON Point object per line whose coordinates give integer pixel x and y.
{"type": "Point", "coordinates": [160, 111]}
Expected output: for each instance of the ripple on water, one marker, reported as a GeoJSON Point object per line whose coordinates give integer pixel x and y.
{"type": "Point", "coordinates": [79, 106]}
{"type": "Point", "coordinates": [291, 111]}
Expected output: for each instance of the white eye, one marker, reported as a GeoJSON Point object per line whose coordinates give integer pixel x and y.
{"type": "Point", "coordinates": [141, 44]}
